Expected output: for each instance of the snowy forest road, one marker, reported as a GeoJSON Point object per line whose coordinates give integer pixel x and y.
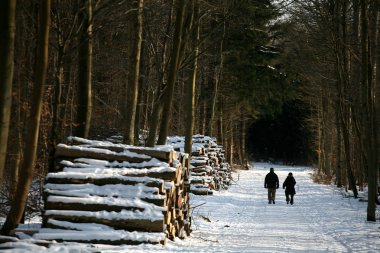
{"type": "Point", "coordinates": [241, 220]}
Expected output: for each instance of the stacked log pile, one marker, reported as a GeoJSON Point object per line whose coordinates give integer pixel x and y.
{"type": "Point", "coordinates": [111, 193]}
{"type": "Point", "coordinates": [208, 169]}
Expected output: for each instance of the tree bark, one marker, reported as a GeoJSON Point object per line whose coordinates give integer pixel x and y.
{"type": "Point", "coordinates": [27, 168]}
{"type": "Point", "coordinates": [134, 71]}
{"type": "Point", "coordinates": [158, 102]}
{"type": "Point", "coordinates": [7, 41]}
{"type": "Point", "coordinates": [243, 139]}
{"type": "Point", "coordinates": [84, 107]}
{"type": "Point", "coordinates": [338, 163]}
{"type": "Point", "coordinates": [58, 103]}
{"type": "Point", "coordinates": [345, 111]}
{"type": "Point", "coordinates": [216, 84]}
{"type": "Point", "coordinates": [155, 120]}
{"type": "Point", "coordinates": [172, 75]}
{"type": "Point", "coordinates": [220, 136]}
{"type": "Point", "coordinates": [190, 91]}
{"type": "Point", "coordinates": [368, 95]}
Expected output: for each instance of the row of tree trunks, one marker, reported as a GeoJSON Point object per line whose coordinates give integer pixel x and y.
{"type": "Point", "coordinates": [27, 168]}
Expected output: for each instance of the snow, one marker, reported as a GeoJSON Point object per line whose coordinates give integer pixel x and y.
{"type": "Point", "coordinates": [240, 219]}
{"type": "Point", "coordinates": [121, 171]}
{"type": "Point", "coordinates": [88, 143]}
{"type": "Point", "coordinates": [199, 141]}
{"type": "Point", "coordinates": [89, 163]}
{"type": "Point", "coordinates": [87, 190]}
{"type": "Point", "coordinates": [147, 214]}
{"type": "Point", "coordinates": [104, 151]}
{"type": "Point", "coordinates": [111, 235]}
{"type": "Point", "coordinates": [79, 175]}
{"type": "Point", "coordinates": [110, 201]}
{"type": "Point", "coordinates": [152, 162]}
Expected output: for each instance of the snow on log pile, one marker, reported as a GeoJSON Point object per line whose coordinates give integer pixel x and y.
{"type": "Point", "coordinates": [208, 169]}
{"type": "Point", "coordinates": [111, 193]}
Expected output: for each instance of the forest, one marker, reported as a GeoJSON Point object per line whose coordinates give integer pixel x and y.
{"type": "Point", "coordinates": [284, 81]}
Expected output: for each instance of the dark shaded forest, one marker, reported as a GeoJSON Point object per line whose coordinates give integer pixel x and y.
{"type": "Point", "coordinates": [282, 139]}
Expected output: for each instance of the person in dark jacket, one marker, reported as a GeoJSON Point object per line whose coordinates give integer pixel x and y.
{"type": "Point", "coordinates": [288, 185]}
{"type": "Point", "coordinates": [271, 182]}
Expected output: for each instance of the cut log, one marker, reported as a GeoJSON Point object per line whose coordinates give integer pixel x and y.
{"type": "Point", "coordinates": [109, 204]}
{"type": "Point", "coordinates": [110, 237]}
{"type": "Point", "coordinates": [97, 153]}
{"type": "Point", "coordinates": [81, 178]}
{"type": "Point", "coordinates": [127, 220]}
{"type": "Point", "coordinates": [167, 155]}
{"type": "Point", "coordinates": [167, 175]}
{"type": "Point", "coordinates": [200, 190]}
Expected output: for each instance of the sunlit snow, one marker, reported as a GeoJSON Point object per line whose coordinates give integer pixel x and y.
{"type": "Point", "coordinates": [240, 219]}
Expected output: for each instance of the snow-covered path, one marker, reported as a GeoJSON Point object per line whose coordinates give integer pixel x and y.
{"type": "Point", "coordinates": [241, 220]}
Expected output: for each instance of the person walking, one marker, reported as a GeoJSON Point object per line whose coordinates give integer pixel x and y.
{"type": "Point", "coordinates": [272, 183]}
{"type": "Point", "coordinates": [288, 185]}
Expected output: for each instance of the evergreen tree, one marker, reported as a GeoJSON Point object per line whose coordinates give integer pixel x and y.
{"type": "Point", "coordinates": [253, 72]}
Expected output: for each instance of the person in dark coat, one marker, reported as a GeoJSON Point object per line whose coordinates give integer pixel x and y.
{"type": "Point", "coordinates": [271, 182]}
{"type": "Point", "coordinates": [288, 185]}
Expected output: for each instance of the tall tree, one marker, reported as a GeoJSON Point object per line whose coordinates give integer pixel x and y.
{"type": "Point", "coordinates": [27, 168]}
{"type": "Point", "coordinates": [135, 30]}
{"type": "Point", "coordinates": [190, 91]}
{"type": "Point", "coordinates": [64, 34]}
{"type": "Point", "coordinates": [162, 72]}
{"type": "Point", "coordinates": [173, 72]}
{"type": "Point", "coordinates": [7, 40]}
{"type": "Point", "coordinates": [216, 80]}
{"type": "Point", "coordinates": [368, 110]}
{"type": "Point", "coordinates": [85, 55]}
{"type": "Point", "coordinates": [343, 86]}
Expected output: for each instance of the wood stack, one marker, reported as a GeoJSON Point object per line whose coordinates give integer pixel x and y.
{"type": "Point", "coordinates": [116, 194]}
{"type": "Point", "coordinates": [208, 169]}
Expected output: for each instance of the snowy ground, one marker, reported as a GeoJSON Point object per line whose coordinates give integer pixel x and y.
{"type": "Point", "coordinates": [241, 220]}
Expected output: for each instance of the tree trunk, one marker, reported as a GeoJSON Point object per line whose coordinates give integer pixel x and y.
{"type": "Point", "coordinates": [345, 112]}
{"type": "Point", "coordinates": [13, 180]}
{"type": "Point", "coordinates": [172, 75]}
{"type": "Point", "coordinates": [7, 39]}
{"type": "Point", "coordinates": [135, 28]}
{"type": "Point", "coordinates": [202, 118]}
{"type": "Point", "coordinates": [231, 149]}
{"type": "Point", "coordinates": [58, 105]}
{"type": "Point", "coordinates": [27, 168]}
{"type": "Point", "coordinates": [216, 84]}
{"type": "Point", "coordinates": [84, 107]}
{"type": "Point", "coordinates": [158, 102]}
{"type": "Point", "coordinates": [210, 113]}
{"type": "Point", "coordinates": [338, 163]}
{"type": "Point", "coordinates": [347, 150]}
{"type": "Point", "coordinates": [190, 88]}
{"type": "Point", "coordinates": [368, 95]}
{"type": "Point", "coordinates": [220, 124]}
{"type": "Point", "coordinates": [242, 142]}
{"type": "Point", "coordinates": [154, 121]}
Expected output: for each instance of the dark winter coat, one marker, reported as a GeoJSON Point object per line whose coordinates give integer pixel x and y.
{"type": "Point", "coordinates": [271, 180]}
{"type": "Point", "coordinates": [289, 184]}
